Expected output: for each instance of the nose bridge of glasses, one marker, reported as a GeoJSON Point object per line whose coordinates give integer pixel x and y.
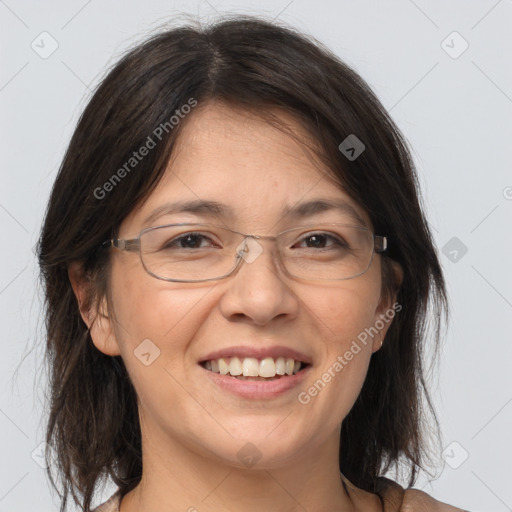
{"type": "Point", "coordinates": [251, 247]}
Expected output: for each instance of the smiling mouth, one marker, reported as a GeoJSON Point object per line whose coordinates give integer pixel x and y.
{"type": "Point", "coordinates": [250, 368]}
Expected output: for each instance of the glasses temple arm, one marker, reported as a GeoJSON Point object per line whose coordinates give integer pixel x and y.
{"type": "Point", "coordinates": [132, 245]}
{"type": "Point", "coordinates": [381, 243]}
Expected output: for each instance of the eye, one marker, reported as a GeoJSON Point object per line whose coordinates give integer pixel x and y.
{"type": "Point", "coordinates": [188, 241]}
{"type": "Point", "coordinates": [321, 241]}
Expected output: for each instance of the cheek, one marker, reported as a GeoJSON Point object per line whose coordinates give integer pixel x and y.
{"type": "Point", "coordinates": [155, 325]}
{"type": "Point", "coordinates": [167, 314]}
{"type": "Point", "coordinates": [343, 317]}
{"type": "Point", "coordinates": [343, 313]}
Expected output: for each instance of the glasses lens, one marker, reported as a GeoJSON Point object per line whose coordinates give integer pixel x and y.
{"type": "Point", "coordinates": [189, 252]}
{"type": "Point", "coordinates": [200, 252]}
{"type": "Point", "coordinates": [327, 252]}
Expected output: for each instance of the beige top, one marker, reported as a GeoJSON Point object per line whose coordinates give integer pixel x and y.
{"type": "Point", "coordinates": [395, 498]}
{"type": "Point", "coordinates": [111, 505]}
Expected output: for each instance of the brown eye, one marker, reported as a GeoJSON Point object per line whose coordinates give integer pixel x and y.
{"type": "Point", "coordinates": [316, 241]}
{"type": "Point", "coordinates": [188, 241]}
{"type": "Point", "coordinates": [321, 241]}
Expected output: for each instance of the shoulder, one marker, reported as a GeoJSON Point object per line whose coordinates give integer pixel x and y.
{"type": "Point", "coordinates": [111, 505]}
{"type": "Point", "coordinates": [396, 499]}
{"type": "Point", "coordinates": [419, 501]}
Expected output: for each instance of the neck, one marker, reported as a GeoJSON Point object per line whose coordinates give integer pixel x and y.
{"type": "Point", "coordinates": [177, 478]}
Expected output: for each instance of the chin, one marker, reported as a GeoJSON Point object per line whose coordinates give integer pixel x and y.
{"type": "Point", "coordinates": [260, 445]}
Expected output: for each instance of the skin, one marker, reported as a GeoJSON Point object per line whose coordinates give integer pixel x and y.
{"type": "Point", "coordinates": [191, 429]}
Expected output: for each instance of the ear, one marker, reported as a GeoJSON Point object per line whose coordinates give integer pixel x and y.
{"type": "Point", "coordinates": [388, 306]}
{"type": "Point", "coordinates": [95, 316]}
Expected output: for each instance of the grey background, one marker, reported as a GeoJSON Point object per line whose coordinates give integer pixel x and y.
{"type": "Point", "coordinates": [455, 109]}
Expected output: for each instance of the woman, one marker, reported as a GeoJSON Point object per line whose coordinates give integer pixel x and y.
{"type": "Point", "coordinates": [237, 273]}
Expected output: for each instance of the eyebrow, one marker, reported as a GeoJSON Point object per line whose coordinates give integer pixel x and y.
{"type": "Point", "coordinates": [323, 205]}
{"type": "Point", "coordinates": [220, 210]}
{"type": "Point", "coordinates": [210, 208]}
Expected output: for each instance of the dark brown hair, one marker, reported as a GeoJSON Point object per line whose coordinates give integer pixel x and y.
{"type": "Point", "coordinates": [93, 421]}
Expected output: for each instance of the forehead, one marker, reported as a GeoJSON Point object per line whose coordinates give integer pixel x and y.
{"type": "Point", "coordinates": [273, 139]}
{"type": "Point", "coordinates": [236, 158]}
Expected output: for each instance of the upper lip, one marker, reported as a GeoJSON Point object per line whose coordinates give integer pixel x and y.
{"type": "Point", "coordinates": [241, 351]}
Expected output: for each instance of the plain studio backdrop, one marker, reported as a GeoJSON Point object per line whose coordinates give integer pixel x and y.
{"type": "Point", "coordinates": [443, 71]}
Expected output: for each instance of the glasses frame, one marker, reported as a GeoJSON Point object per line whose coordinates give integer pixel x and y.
{"type": "Point", "coordinates": [380, 245]}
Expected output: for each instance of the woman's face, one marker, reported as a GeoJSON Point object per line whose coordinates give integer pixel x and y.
{"type": "Point", "coordinates": [165, 331]}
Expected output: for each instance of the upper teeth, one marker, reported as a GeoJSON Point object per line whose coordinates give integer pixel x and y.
{"type": "Point", "coordinates": [252, 367]}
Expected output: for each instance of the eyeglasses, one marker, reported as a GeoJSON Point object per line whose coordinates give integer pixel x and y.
{"type": "Point", "coordinates": [190, 253]}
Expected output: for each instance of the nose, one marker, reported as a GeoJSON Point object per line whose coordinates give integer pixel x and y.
{"type": "Point", "coordinates": [258, 292]}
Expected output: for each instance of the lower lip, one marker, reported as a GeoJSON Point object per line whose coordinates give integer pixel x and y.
{"type": "Point", "coordinates": [257, 390]}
